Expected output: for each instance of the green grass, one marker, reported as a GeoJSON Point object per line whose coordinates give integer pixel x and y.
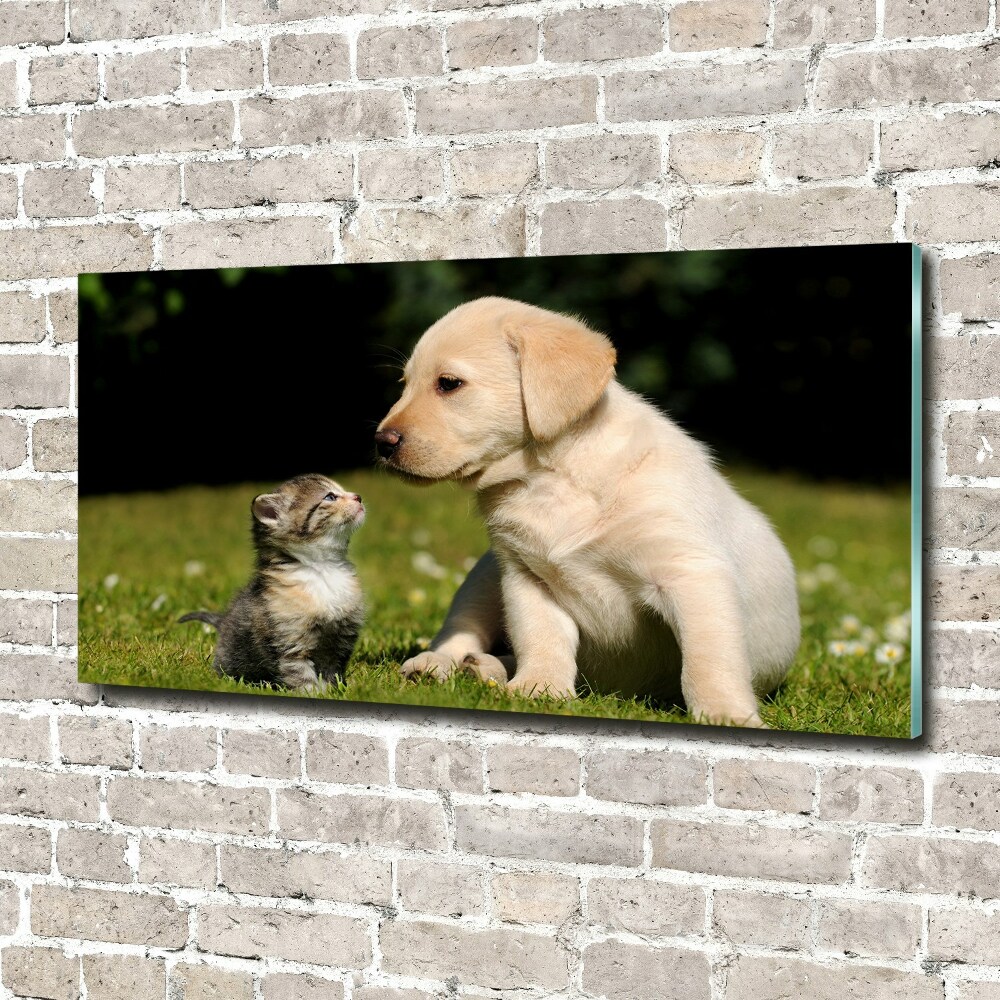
{"type": "Point", "coordinates": [147, 558]}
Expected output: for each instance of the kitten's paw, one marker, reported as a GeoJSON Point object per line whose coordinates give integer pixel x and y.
{"type": "Point", "coordinates": [428, 664]}
{"type": "Point", "coordinates": [537, 687]}
{"type": "Point", "coordinates": [486, 667]}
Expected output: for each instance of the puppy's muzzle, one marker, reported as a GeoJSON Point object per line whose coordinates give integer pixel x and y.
{"type": "Point", "coordinates": [387, 442]}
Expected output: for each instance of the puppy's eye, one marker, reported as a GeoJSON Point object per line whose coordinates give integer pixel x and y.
{"type": "Point", "coordinates": [447, 383]}
{"type": "Point", "coordinates": [330, 496]}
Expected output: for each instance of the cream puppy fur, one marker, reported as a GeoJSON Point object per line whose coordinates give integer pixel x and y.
{"type": "Point", "coordinates": [619, 554]}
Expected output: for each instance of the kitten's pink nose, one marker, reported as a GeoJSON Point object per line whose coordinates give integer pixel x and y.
{"type": "Point", "coordinates": [355, 496]}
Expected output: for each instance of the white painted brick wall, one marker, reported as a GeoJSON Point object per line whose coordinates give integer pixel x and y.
{"type": "Point", "coordinates": [171, 845]}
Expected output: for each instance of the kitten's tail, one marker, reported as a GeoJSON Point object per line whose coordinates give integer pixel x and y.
{"type": "Point", "coordinates": [202, 616]}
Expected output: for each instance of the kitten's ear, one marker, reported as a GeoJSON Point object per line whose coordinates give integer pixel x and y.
{"type": "Point", "coordinates": [268, 508]}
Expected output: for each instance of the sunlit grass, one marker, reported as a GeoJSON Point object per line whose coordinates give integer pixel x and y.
{"type": "Point", "coordinates": [145, 559]}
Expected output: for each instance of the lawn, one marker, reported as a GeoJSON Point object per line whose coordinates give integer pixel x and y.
{"type": "Point", "coordinates": [147, 558]}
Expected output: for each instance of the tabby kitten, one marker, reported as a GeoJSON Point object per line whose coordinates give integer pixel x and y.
{"type": "Point", "coordinates": [296, 622]}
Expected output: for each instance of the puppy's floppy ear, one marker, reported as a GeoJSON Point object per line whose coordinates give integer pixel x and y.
{"type": "Point", "coordinates": [268, 508]}
{"type": "Point", "coordinates": [565, 367]}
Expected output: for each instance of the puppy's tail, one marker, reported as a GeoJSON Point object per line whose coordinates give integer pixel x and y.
{"type": "Point", "coordinates": [202, 616]}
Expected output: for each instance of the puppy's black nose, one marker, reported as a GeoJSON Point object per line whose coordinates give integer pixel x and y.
{"type": "Point", "coordinates": [387, 441]}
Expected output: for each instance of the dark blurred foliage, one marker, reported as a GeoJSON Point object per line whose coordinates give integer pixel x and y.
{"type": "Point", "coordinates": [792, 359]}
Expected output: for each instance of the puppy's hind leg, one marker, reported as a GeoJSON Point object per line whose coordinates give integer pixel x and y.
{"type": "Point", "coordinates": [473, 626]}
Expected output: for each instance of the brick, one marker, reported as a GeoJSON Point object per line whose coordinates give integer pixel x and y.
{"type": "Point", "coordinates": [486, 170]}
{"type": "Point", "coordinates": [784, 786]}
{"type": "Point", "coordinates": [27, 21]}
{"type": "Point", "coordinates": [869, 928]}
{"type": "Point", "coordinates": [57, 250]}
{"type": "Point", "coordinates": [13, 443]}
{"type": "Point", "coordinates": [761, 919]}
{"type": "Point", "coordinates": [178, 748]}
{"type": "Point", "coordinates": [620, 970]}
{"type": "Point", "coordinates": [538, 770]}
{"type": "Point", "coordinates": [25, 849]}
{"type": "Point", "coordinates": [389, 993]}
{"type": "Point", "coordinates": [174, 128]}
{"type": "Point", "coordinates": [27, 676]}
{"type": "Point", "coordinates": [93, 854]}
{"type": "Point", "coordinates": [541, 834]}
{"type": "Point", "coordinates": [627, 225]}
{"type": "Point", "coordinates": [257, 932]}
{"type": "Point", "coordinates": [26, 622]}
{"type": "Point", "coordinates": [645, 906]}
{"type": "Point", "coordinates": [751, 850]}
{"type": "Point", "coordinates": [59, 193]}
{"type": "Point", "coordinates": [235, 66]}
{"type": "Point", "coordinates": [8, 196]}
{"type": "Point", "coordinates": [508, 41]}
{"type": "Point", "coordinates": [807, 22]}
{"type": "Point", "coordinates": [662, 778]}
{"type": "Point", "coordinates": [49, 795]}
{"type": "Point", "coordinates": [298, 986]}
{"type": "Point", "coordinates": [363, 819]}
{"type": "Point", "coordinates": [42, 505]}
{"type": "Point", "coordinates": [823, 152]}
{"type": "Point", "coordinates": [717, 24]}
{"type": "Point", "coordinates": [63, 316]}
{"type": "Point", "coordinates": [956, 658]}
{"type": "Point", "coordinates": [10, 907]}
{"type": "Point", "coordinates": [189, 806]}
{"type": "Point", "coordinates": [939, 865]}
{"type": "Point", "coordinates": [963, 367]}
{"type": "Point", "coordinates": [401, 174]}
{"type": "Point", "coordinates": [90, 739]}
{"type": "Point", "coordinates": [201, 982]}
{"type": "Point", "coordinates": [964, 593]}
{"type": "Point", "coordinates": [871, 795]}
{"type": "Point", "coordinates": [506, 104]}
{"type": "Point", "coordinates": [264, 753]}
{"type": "Point", "coordinates": [167, 861]}
{"type": "Point", "coordinates": [346, 758]}
{"type": "Point", "coordinates": [921, 18]}
{"type": "Point", "coordinates": [123, 977]}
{"type": "Point", "coordinates": [413, 50]}
{"type": "Point", "coordinates": [975, 990]}
{"type": "Point", "coordinates": [22, 318]}
{"type": "Point", "coordinates": [439, 764]}
{"type": "Point", "coordinates": [971, 286]}
{"type": "Point", "coordinates": [931, 142]}
{"type": "Point", "coordinates": [141, 187]}
{"type": "Point", "coordinates": [66, 623]}
{"type": "Point", "coordinates": [962, 934]}
{"type": "Point", "coordinates": [100, 915]}
{"type": "Point", "coordinates": [443, 889]}
{"type": "Point", "coordinates": [43, 973]}
{"type": "Point", "coordinates": [34, 381]}
{"type": "Point", "coordinates": [54, 444]}
{"type": "Point", "coordinates": [63, 79]}
{"type": "Point", "coordinates": [955, 213]}
{"type": "Point", "coordinates": [515, 958]}
{"type": "Point", "coordinates": [248, 243]}
{"type": "Point", "coordinates": [812, 216]}
{"type": "Point", "coordinates": [318, 177]}
{"type": "Point", "coordinates": [964, 518]}
{"type": "Point", "coordinates": [142, 74]}
{"type": "Point", "coordinates": [25, 737]}
{"type": "Point", "coordinates": [8, 85]}
{"type": "Point", "coordinates": [596, 34]}
{"type": "Point", "coordinates": [535, 897]}
{"type": "Point", "coordinates": [359, 114]}
{"type": "Point", "coordinates": [464, 231]}
{"type": "Point", "coordinates": [963, 727]}
{"type": "Point", "coordinates": [907, 76]}
{"type": "Point", "coordinates": [704, 91]}
{"type": "Point", "coordinates": [343, 877]}
{"type": "Point", "coordinates": [603, 161]}
{"type": "Point", "coordinates": [295, 60]}
{"type": "Point", "coordinates": [33, 138]}
{"type": "Point", "coordinates": [971, 438]}
{"type": "Point", "coordinates": [262, 12]}
{"type": "Point", "coordinates": [766, 978]}
{"type": "Point", "coordinates": [95, 19]}
{"type": "Point", "coordinates": [967, 801]}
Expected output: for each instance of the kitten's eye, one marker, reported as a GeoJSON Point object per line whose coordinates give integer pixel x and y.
{"type": "Point", "coordinates": [330, 496]}
{"type": "Point", "coordinates": [448, 383]}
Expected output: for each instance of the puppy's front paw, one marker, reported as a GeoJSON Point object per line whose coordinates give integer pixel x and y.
{"type": "Point", "coordinates": [535, 686]}
{"type": "Point", "coordinates": [485, 667]}
{"type": "Point", "coordinates": [743, 716]}
{"type": "Point", "coordinates": [428, 664]}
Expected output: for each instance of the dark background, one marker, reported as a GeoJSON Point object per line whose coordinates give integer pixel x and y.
{"type": "Point", "coordinates": [787, 359]}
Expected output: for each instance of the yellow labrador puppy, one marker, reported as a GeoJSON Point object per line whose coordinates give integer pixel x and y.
{"type": "Point", "coordinates": [618, 553]}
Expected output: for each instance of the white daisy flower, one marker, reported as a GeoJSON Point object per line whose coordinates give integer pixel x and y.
{"type": "Point", "coordinates": [890, 652]}
{"type": "Point", "coordinates": [808, 582]}
{"type": "Point", "coordinates": [838, 647]}
{"type": "Point", "coordinates": [194, 567]}
{"type": "Point", "coordinates": [857, 648]}
{"type": "Point", "coordinates": [826, 572]}
{"type": "Point", "coordinates": [424, 562]}
{"type": "Point", "coordinates": [850, 625]}
{"type": "Point", "coordinates": [158, 603]}
{"type": "Point", "coordinates": [111, 581]}
{"type": "Point", "coordinates": [898, 629]}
